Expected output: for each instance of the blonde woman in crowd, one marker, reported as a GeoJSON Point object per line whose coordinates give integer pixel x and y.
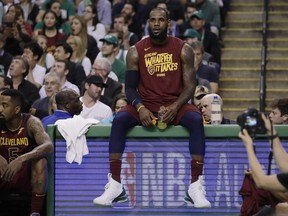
{"type": "Point", "coordinates": [79, 28]}
{"type": "Point", "coordinates": [79, 53]}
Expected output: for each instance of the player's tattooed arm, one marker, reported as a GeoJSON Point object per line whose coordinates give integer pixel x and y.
{"type": "Point", "coordinates": [36, 131]}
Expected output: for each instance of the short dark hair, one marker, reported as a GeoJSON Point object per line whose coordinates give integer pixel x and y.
{"type": "Point", "coordinates": [134, 6]}
{"type": "Point", "coordinates": [16, 97]}
{"type": "Point", "coordinates": [121, 96]}
{"type": "Point", "coordinates": [191, 4]}
{"type": "Point", "coordinates": [121, 15]}
{"type": "Point", "coordinates": [25, 65]}
{"type": "Point", "coordinates": [162, 9]}
{"type": "Point", "coordinates": [7, 81]}
{"type": "Point", "coordinates": [66, 63]}
{"type": "Point", "coordinates": [64, 97]}
{"type": "Point", "coordinates": [281, 104]}
{"type": "Point", "coordinates": [67, 48]}
{"type": "Point", "coordinates": [35, 48]}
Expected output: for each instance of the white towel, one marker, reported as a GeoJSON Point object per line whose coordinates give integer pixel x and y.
{"type": "Point", "coordinates": [73, 130]}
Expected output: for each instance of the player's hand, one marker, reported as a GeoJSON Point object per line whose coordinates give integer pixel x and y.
{"type": "Point", "coordinates": [170, 113]}
{"type": "Point", "coordinates": [146, 117]}
{"type": "Point", "coordinates": [268, 124]}
{"type": "Point", "coordinates": [246, 138]}
{"type": "Point", "coordinates": [13, 167]}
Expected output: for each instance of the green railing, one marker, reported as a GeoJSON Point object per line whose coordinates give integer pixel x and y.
{"type": "Point", "coordinates": [139, 132]}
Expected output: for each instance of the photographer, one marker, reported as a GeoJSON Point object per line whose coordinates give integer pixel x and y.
{"type": "Point", "coordinates": [272, 189]}
{"type": "Point", "coordinates": [279, 111]}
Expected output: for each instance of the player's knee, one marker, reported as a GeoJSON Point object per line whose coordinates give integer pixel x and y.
{"type": "Point", "coordinates": [195, 117]}
{"type": "Point", "coordinates": [121, 118]}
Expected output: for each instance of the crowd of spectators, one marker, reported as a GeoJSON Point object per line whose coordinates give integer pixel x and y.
{"type": "Point", "coordinates": [47, 46]}
{"type": "Point", "coordinates": [69, 57]}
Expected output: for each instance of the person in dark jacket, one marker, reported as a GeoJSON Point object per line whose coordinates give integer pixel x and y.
{"type": "Point", "coordinates": [206, 109]}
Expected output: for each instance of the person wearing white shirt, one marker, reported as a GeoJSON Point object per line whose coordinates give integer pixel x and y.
{"type": "Point", "coordinates": [92, 107]}
{"type": "Point", "coordinates": [32, 53]}
{"type": "Point", "coordinates": [38, 73]}
{"type": "Point", "coordinates": [61, 68]}
{"type": "Point", "coordinates": [79, 53]}
{"type": "Point", "coordinates": [47, 59]}
{"type": "Point", "coordinates": [94, 27]}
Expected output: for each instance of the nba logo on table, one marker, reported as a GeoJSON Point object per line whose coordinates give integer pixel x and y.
{"type": "Point", "coordinates": [128, 176]}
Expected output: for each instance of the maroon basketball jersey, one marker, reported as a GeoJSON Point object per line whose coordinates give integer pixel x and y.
{"type": "Point", "coordinates": [160, 72]}
{"type": "Point", "coordinates": [16, 143]}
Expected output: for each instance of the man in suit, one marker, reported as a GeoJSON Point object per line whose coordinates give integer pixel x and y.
{"type": "Point", "coordinates": [102, 67]}
{"type": "Point", "coordinates": [18, 70]}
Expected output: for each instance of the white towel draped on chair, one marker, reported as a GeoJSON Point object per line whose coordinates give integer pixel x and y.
{"type": "Point", "coordinates": [73, 130]}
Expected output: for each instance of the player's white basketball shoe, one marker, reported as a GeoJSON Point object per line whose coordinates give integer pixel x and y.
{"type": "Point", "coordinates": [196, 194]}
{"type": "Point", "coordinates": [114, 192]}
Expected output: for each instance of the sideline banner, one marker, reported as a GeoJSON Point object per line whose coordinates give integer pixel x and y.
{"type": "Point", "coordinates": [156, 175]}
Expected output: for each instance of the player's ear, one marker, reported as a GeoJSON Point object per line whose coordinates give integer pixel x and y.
{"type": "Point", "coordinates": [17, 109]}
{"type": "Point", "coordinates": [67, 106]}
{"type": "Point", "coordinates": [169, 23]}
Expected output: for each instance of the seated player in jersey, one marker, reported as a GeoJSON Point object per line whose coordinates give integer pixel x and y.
{"type": "Point", "coordinates": [24, 145]}
{"type": "Point", "coordinates": [160, 73]}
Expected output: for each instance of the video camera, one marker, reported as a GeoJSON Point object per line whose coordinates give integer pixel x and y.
{"type": "Point", "coordinates": [252, 121]}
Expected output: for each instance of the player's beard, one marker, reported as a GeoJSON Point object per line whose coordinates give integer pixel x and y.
{"type": "Point", "coordinates": [161, 37]}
